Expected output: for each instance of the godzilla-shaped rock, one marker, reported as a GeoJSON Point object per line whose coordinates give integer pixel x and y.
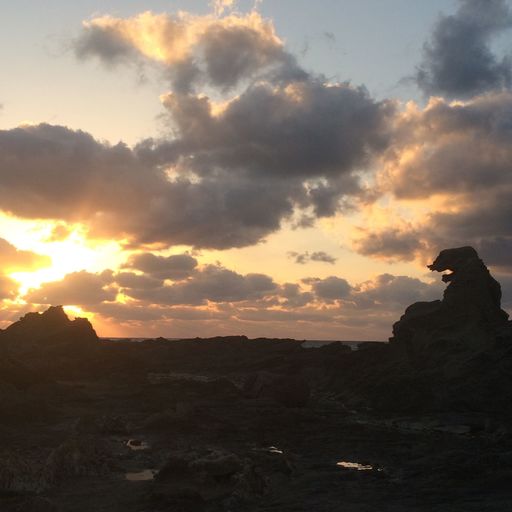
{"type": "Point", "coordinates": [46, 331]}
{"type": "Point", "coordinates": [470, 314]}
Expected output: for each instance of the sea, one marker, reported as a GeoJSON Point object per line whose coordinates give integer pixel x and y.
{"type": "Point", "coordinates": [354, 345]}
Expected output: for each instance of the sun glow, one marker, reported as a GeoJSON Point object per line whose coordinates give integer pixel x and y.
{"type": "Point", "coordinates": [77, 312]}
{"type": "Point", "coordinates": [66, 245]}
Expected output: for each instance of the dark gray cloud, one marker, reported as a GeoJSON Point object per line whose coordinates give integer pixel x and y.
{"type": "Point", "coordinates": [305, 130]}
{"type": "Point", "coordinates": [498, 253]}
{"type": "Point", "coordinates": [331, 288]}
{"type": "Point", "coordinates": [211, 283]}
{"type": "Point", "coordinates": [305, 257]}
{"type": "Point", "coordinates": [294, 296]}
{"type": "Point", "coordinates": [13, 259]}
{"type": "Point", "coordinates": [175, 267]}
{"type": "Point", "coordinates": [232, 54]}
{"type": "Point", "coordinates": [53, 172]}
{"type": "Point", "coordinates": [390, 243]}
{"type": "Point", "coordinates": [113, 49]}
{"type": "Point", "coordinates": [458, 61]}
{"type": "Point", "coordinates": [137, 281]}
{"type": "Point", "coordinates": [395, 292]}
{"type": "Point", "coordinates": [78, 289]}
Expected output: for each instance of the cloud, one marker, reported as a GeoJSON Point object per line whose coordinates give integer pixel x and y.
{"type": "Point", "coordinates": [137, 281]}
{"type": "Point", "coordinates": [458, 61]}
{"type": "Point", "coordinates": [56, 173]}
{"type": "Point", "coordinates": [390, 243]}
{"type": "Point", "coordinates": [192, 50]}
{"type": "Point", "coordinates": [59, 233]}
{"type": "Point", "coordinates": [295, 296]}
{"type": "Point", "coordinates": [395, 292]}
{"type": "Point", "coordinates": [305, 257]}
{"type": "Point", "coordinates": [225, 180]}
{"type": "Point", "coordinates": [175, 267]}
{"type": "Point", "coordinates": [220, 6]}
{"type": "Point", "coordinates": [304, 130]}
{"type": "Point", "coordinates": [284, 144]}
{"type": "Point", "coordinates": [231, 172]}
{"type": "Point", "coordinates": [78, 288]}
{"type": "Point", "coordinates": [8, 288]}
{"type": "Point", "coordinates": [16, 260]}
{"type": "Point", "coordinates": [331, 288]}
{"type": "Point", "coordinates": [212, 283]}
{"type": "Point", "coordinates": [448, 172]}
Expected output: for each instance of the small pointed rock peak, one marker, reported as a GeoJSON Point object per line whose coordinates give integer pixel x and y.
{"type": "Point", "coordinates": [55, 311]}
{"type": "Point", "coordinates": [53, 316]}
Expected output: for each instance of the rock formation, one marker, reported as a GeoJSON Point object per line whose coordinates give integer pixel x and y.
{"type": "Point", "coordinates": [470, 314]}
{"type": "Point", "coordinates": [36, 332]}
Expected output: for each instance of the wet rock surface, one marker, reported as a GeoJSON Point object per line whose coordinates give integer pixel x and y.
{"type": "Point", "coordinates": [422, 423]}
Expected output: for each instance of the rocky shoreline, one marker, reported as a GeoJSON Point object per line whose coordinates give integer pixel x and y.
{"type": "Point", "coordinates": [422, 423]}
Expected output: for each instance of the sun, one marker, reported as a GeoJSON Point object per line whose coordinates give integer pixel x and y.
{"type": "Point", "coordinates": [67, 246]}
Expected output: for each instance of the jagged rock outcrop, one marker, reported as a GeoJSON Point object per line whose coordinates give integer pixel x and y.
{"type": "Point", "coordinates": [36, 332]}
{"type": "Point", "coordinates": [453, 354]}
{"type": "Point", "coordinates": [470, 314]}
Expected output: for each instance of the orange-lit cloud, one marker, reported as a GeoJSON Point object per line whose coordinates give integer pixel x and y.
{"type": "Point", "coordinates": [447, 179]}
{"type": "Point", "coordinates": [16, 260]}
{"type": "Point", "coordinates": [221, 50]}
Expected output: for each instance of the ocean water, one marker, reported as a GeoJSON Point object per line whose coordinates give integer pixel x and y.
{"type": "Point", "coordinates": [306, 343]}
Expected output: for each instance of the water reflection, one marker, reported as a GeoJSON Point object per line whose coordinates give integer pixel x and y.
{"type": "Point", "coordinates": [141, 476]}
{"type": "Point", "coordinates": [354, 465]}
{"type": "Point", "coordinates": [137, 444]}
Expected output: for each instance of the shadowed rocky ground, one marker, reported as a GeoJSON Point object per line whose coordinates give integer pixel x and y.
{"type": "Point", "coordinates": [422, 423]}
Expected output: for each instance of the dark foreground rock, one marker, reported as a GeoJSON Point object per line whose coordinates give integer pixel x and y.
{"type": "Point", "coordinates": [231, 424]}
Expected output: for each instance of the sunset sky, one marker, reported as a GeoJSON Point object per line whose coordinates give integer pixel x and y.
{"type": "Point", "coordinates": [270, 168]}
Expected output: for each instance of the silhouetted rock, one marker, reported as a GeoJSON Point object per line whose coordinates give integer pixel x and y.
{"type": "Point", "coordinates": [470, 314]}
{"type": "Point", "coordinates": [45, 331]}
{"type": "Point", "coordinates": [453, 354]}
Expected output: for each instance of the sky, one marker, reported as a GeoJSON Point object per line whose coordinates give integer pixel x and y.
{"type": "Point", "coordinates": [269, 168]}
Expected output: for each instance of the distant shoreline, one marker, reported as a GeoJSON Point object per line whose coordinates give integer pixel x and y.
{"type": "Point", "coordinates": [305, 343]}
